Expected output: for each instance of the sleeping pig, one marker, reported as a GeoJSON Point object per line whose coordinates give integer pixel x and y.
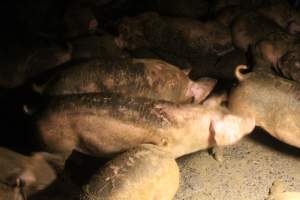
{"type": "Point", "coordinates": [271, 100]}
{"type": "Point", "coordinates": [142, 173]}
{"type": "Point", "coordinates": [182, 37]}
{"type": "Point", "coordinates": [106, 124]}
{"type": "Point", "coordinates": [22, 175]}
{"type": "Point", "coordinates": [148, 78]}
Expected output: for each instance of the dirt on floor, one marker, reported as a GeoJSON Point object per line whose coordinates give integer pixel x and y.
{"type": "Point", "coordinates": [247, 172]}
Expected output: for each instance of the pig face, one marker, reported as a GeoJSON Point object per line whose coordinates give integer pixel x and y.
{"type": "Point", "coordinates": [289, 65]}
{"type": "Point", "coordinates": [132, 31]}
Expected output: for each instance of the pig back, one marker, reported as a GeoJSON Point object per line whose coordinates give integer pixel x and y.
{"type": "Point", "coordinates": [273, 102]}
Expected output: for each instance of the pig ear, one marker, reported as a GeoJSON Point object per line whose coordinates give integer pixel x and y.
{"type": "Point", "coordinates": [202, 88]}
{"type": "Point", "coordinates": [57, 162]}
{"type": "Point", "coordinates": [187, 71]}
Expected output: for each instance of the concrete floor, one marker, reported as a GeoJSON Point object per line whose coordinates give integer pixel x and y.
{"type": "Point", "coordinates": [247, 172]}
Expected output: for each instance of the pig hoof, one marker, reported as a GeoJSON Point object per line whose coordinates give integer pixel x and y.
{"type": "Point", "coordinates": [164, 142]}
{"type": "Point", "coordinates": [218, 154]}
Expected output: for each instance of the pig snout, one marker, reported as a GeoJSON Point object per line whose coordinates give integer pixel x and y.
{"type": "Point", "coordinates": [200, 89]}
{"type": "Point", "coordinates": [230, 129]}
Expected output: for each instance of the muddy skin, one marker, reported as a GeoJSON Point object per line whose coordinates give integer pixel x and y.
{"type": "Point", "coordinates": [23, 175]}
{"type": "Point", "coordinates": [250, 27]}
{"type": "Point", "coordinates": [148, 78]}
{"type": "Point", "coordinates": [142, 173]}
{"type": "Point", "coordinates": [181, 37]}
{"type": "Point", "coordinates": [95, 46]}
{"type": "Point", "coordinates": [21, 64]}
{"type": "Point", "coordinates": [102, 125]}
{"type": "Point", "coordinates": [273, 102]}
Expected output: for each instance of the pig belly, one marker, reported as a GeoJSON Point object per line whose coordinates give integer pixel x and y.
{"type": "Point", "coordinates": [143, 173]}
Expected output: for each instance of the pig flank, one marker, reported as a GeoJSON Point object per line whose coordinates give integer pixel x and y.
{"type": "Point", "coordinates": [103, 125]}
{"type": "Point", "coordinates": [273, 102]}
{"type": "Point", "coordinates": [147, 78]}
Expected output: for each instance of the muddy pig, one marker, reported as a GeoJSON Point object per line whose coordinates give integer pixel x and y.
{"type": "Point", "coordinates": [19, 64]}
{"type": "Point", "coordinates": [250, 27]}
{"type": "Point", "coordinates": [226, 15]}
{"type": "Point", "coordinates": [192, 8]}
{"type": "Point", "coordinates": [78, 20]}
{"type": "Point", "coordinates": [22, 175]}
{"type": "Point", "coordinates": [106, 124]}
{"type": "Point", "coordinates": [142, 173]}
{"type": "Point", "coordinates": [283, 14]}
{"type": "Point", "coordinates": [282, 51]}
{"type": "Point", "coordinates": [273, 102]}
{"type": "Point", "coordinates": [181, 37]}
{"type": "Point", "coordinates": [149, 78]}
{"type": "Point", "coordinates": [95, 46]}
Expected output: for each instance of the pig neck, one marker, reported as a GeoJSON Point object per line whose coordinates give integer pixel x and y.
{"type": "Point", "coordinates": [189, 131]}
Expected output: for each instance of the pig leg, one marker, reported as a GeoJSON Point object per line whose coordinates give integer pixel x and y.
{"type": "Point", "coordinates": [142, 173]}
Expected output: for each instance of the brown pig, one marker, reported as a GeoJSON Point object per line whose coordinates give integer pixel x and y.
{"type": "Point", "coordinates": [20, 64]}
{"type": "Point", "coordinates": [95, 46]}
{"type": "Point", "coordinates": [148, 78]}
{"type": "Point", "coordinates": [282, 51]}
{"type": "Point", "coordinates": [250, 27]}
{"type": "Point", "coordinates": [78, 20]}
{"type": "Point", "coordinates": [106, 124]}
{"type": "Point", "coordinates": [272, 101]}
{"type": "Point", "coordinates": [142, 173]}
{"type": "Point", "coordinates": [23, 175]}
{"type": "Point", "coordinates": [181, 37]}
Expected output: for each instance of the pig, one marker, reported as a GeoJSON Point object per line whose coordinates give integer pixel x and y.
{"type": "Point", "coordinates": [283, 14]}
{"type": "Point", "coordinates": [143, 173]}
{"type": "Point", "coordinates": [148, 78]}
{"type": "Point", "coordinates": [105, 124]}
{"type": "Point", "coordinates": [282, 51]}
{"type": "Point", "coordinates": [22, 175]}
{"type": "Point", "coordinates": [277, 192]}
{"type": "Point", "coordinates": [250, 27]}
{"type": "Point", "coordinates": [95, 46]}
{"type": "Point", "coordinates": [20, 64]}
{"type": "Point", "coordinates": [271, 100]}
{"type": "Point", "coordinates": [180, 37]}
{"type": "Point", "coordinates": [78, 20]}
{"type": "Point", "coordinates": [181, 8]}
{"type": "Point", "coordinates": [226, 15]}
